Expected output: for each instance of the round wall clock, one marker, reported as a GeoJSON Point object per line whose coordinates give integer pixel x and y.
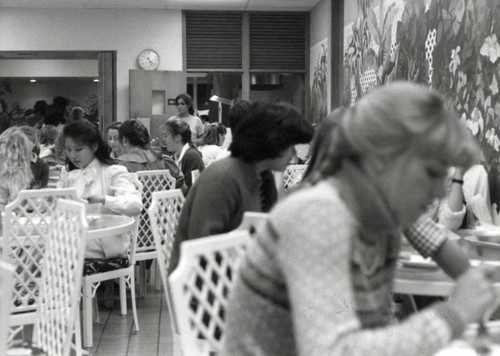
{"type": "Point", "coordinates": [149, 60]}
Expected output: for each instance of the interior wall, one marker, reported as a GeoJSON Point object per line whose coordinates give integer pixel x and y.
{"type": "Point", "coordinates": [126, 31]}
{"type": "Point", "coordinates": [48, 68]}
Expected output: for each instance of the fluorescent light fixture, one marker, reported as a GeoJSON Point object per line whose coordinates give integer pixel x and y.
{"type": "Point", "coordinates": [220, 100]}
{"type": "Point", "coordinates": [33, 80]}
{"type": "Point", "coordinates": [96, 80]}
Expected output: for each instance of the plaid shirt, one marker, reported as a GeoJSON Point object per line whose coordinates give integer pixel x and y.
{"type": "Point", "coordinates": [425, 236]}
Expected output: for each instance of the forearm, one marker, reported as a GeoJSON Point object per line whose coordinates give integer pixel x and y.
{"type": "Point", "coordinates": [451, 258]}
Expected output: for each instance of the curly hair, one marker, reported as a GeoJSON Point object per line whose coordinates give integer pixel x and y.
{"type": "Point", "coordinates": [135, 132]}
{"type": "Point", "coordinates": [267, 130]}
{"type": "Point", "coordinates": [15, 155]}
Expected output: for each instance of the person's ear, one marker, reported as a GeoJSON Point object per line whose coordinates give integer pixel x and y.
{"type": "Point", "coordinates": [94, 147]}
{"type": "Point", "coordinates": [125, 141]}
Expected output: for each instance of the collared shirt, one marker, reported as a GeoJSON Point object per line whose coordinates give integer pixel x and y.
{"type": "Point", "coordinates": [178, 160]}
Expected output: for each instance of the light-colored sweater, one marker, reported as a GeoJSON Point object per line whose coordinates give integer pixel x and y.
{"type": "Point", "coordinates": [317, 280]}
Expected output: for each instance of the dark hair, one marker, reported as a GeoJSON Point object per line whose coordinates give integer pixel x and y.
{"type": "Point", "coordinates": [205, 118]}
{"type": "Point", "coordinates": [238, 110]}
{"type": "Point", "coordinates": [3, 104]}
{"type": "Point", "coordinates": [267, 130]}
{"type": "Point", "coordinates": [114, 126]}
{"type": "Point", "coordinates": [54, 115]}
{"type": "Point", "coordinates": [48, 135]}
{"type": "Point", "coordinates": [85, 132]}
{"type": "Point", "coordinates": [186, 97]}
{"type": "Point", "coordinates": [180, 127]}
{"type": "Point", "coordinates": [40, 107]}
{"type": "Point", "coordinates": [211, 136]}
{"type": "Point", "coordinates": [60, 101]}
{"type": "Point", "coordinates": [135, 132]}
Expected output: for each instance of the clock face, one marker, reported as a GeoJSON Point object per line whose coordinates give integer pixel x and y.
{"type": "Point", "coordinates": [149, 60]}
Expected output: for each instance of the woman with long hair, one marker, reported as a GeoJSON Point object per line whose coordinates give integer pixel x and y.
{"type": "Point", "coordinates": [184, 105]}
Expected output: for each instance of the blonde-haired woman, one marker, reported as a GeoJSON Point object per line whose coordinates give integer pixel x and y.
{"type": "Point", "coordinates": [15, 170]}
{"type": "Point", "coordinates": [317, 278]}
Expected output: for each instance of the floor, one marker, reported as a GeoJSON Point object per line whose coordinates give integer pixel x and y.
{"type": "Point", "coordinates": [115, 335]}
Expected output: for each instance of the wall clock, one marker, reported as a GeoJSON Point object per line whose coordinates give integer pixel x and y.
{"type": "Point", "coordinates": [148, 59]}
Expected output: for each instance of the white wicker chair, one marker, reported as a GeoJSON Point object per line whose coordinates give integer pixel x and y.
{"type": "Point", "coordinates": [61, 278]}
{"type": "Point", "coordinates": [152, 181]}
{"type": "Point", "coordinates": [200, 287]}
{"type": "Point", "coordinates": [293, 175]}
{"type": "Point", "coordinates": [6, 281]}
{"type": "Point", "coordinates": [164, 214]}
{"type": "Point", "coordinates": [25, 229]}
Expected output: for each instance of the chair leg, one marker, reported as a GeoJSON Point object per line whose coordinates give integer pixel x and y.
{"type": "Point", "coordinates": [123, 296]}
{"type": "Point", "coordinates": [132, 300]}
{"type": "Point", "coordinates": [87, 314]}
{"type": "Point", "coordinates": [97, 317]}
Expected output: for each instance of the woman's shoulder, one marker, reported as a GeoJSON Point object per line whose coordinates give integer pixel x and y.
{"type": "Point", "coordinates": [114, 169]}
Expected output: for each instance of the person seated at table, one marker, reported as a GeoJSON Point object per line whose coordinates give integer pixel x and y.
{"type": "Point", "coordinates": [317, 277]}
{"type": "Point", "coordinates": [113, 139]}
{"type": "Point", "coordinates": [15, 169]}
{"type": "Point", "coordinates": [467, 203]}
{"type": "Point", "coordinates": [185, 111]}
{"type": "Point", "coordinates": [39, 167]}
{"type": "Point", "coordinates": [210, 144]}
{"type": "Point", "coordinates": [133, 138]}
{"type": "Point", "coordinates": [90, 170]}
{"type": "Point", "coordinates": [263, 142]}
{"type": "Point", "coordinates": [177, 137]}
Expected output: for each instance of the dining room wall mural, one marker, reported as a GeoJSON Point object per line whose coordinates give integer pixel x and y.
{"type": "Point", "coordinates": [319, 82]}
{"type": "Point", "coordinates": [450, 45]}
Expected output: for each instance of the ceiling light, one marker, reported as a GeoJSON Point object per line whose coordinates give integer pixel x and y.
{"type": "Point", "coordinates": [33, 80]}
{"type": "Point", "coordinates": [96, 80]}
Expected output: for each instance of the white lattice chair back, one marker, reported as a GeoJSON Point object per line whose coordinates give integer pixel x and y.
{"type": "Point", "coordinates": [62, 277]}
{"type": "Point", "coordinates": [6, 281]}
{"type": "Point", "coordinates": [25, 229]}
{"type": "Point", "coordinates": [252, 220]}
{"type": "Point", "coordinates": [200, 287]}
{"type": "Point", "coordinates": [293, 174]}
{"type": "Point", "coordinates": [152, 181]}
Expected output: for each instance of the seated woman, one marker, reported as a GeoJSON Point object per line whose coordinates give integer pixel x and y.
{"type": "Point", "coordinates": [263, 142]}
{"type": "Point", "coordinates": [39, 167]}
{"type": "Point", "coordinates": [317, 278]}
{"type": "Point", "coordinates": [210, 144]}
{"type": "Point", "coordinates": [113, 139]}
{"type": "Point", "coordinates": [177, 136]}
{"type": "Point", "coordinates": [467, 203]}
{"type": "Point", "coordinates": [133, 139]}
{"type": "Point", "coordinates": [98, 180]}
{"type": "Point", "coordinates": [15, 170]}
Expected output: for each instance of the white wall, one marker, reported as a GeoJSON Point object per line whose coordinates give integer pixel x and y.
{"type": "Point", "coordinates": [49, 68]}
{"type": "Point", "coordinates": [127, 31]}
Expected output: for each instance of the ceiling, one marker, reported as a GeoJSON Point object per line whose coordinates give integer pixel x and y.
{"type": "Point", "coordinates": [233, 5]}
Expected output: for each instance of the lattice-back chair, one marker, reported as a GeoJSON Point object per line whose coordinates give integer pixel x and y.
{"type": "Point", "coordinates": [25, 229]}
{"type": "Point", "coordinates": [152, 181]}
{"type": "Point", "coordinates": [200, 287]}
{"type": "Point", "coordinates": [62, 278]}
{"type": "Point", "coordinates": [124, 270]}
{"type": "Point", "coordinates": [293, 175]}
{"type": "Point", "coordinates": [6, 281]}
{"type": "Point", "coordinates": [164, 214]}
{"type": "Point", "coordinates": [252, 220]}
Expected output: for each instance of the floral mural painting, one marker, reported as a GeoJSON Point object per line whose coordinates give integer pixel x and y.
{"type": "Point", "coordinates": [319, 82]}
{"type": "Point", "coordinates": [450, 45]}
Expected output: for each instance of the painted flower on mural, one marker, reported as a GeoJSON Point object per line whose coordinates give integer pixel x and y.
{"type": "Point", "coordinates": [455, 60]}
{"type": "Point", "coordinates": [490, 48]}
{"type": "Point", "coordinates": [492, 139]}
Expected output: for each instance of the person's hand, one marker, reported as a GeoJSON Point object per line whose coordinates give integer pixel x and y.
{"type": "Point", "coordinates": [96, 199]}
{"type": "Point", "coordinates": [474, 293]}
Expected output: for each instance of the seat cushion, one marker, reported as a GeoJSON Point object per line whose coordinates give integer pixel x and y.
{"type": "Point", "coordinates": [91, 266]}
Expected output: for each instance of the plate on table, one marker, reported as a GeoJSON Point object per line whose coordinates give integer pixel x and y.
{"type": "Point", "coordinates": [417, 261]}
{"type": "Point", "coordinates": [463, 348]}
{"type": "Point", "coordinates": [486, 233]}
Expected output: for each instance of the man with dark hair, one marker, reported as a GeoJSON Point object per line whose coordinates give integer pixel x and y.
{"type": "Point", "coordinates": [263, 142]}
{"type": "Point", "coordinates": [40, 110]}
